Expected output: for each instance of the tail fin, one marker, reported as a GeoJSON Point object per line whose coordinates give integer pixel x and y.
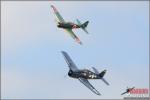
{"type": "Point", "coordinates": [102, 73]}
{"type": "Point", "coordinates": [83, 26]}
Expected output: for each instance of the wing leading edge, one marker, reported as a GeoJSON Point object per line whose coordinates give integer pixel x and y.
{"type": "Point", "coordinates": [69, 61]}
{"type": "Point", "coordinates": [57, 14]}
{"type": "Point", "coordinates": [88, 85]}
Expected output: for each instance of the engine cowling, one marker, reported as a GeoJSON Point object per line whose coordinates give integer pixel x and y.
{"type": "Point", "coordinates": [70, 73]}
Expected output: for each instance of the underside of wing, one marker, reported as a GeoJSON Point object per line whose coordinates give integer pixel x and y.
{"type": "Point", "coordinates": [57, 14]}
{"type": "Point", "coordinates": [88, 85]}
{"type": "Point", "coordinates": [69, 61]}
{"type": "Point", "coordinates": [73, 36]}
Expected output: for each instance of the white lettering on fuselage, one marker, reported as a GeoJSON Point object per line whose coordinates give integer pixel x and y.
{"type": "Point", "coordinates": [92, 76]}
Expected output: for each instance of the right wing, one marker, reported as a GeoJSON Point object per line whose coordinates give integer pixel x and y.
{"type": "Point", "coordinates": [88, 85]}
{"type": "Point", "coordinates": [58, 16]}
{"type": "Point", "coordinates": [73, 36]}
{"type": "Point", "coordinates": [70, 63]}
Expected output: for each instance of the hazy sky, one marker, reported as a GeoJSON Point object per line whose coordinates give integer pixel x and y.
{"type": "Point", "coordinates": [32, 65]}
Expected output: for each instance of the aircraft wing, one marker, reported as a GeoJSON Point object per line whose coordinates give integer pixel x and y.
{"type": "Point", "coordinates": [88, 85]}
{"type": "Point", "coordinates": [73, 36]}
{"type": "Point", "coordinates": [132, 88]}
{"type": "Point", "coordinates": [104, 81]}
{"type": "Point", "coordinates": [124, 93]}
{"type": "Point", "coordinates": [70, 63]}
{"type": "Point", "coordinates": [58, 16]}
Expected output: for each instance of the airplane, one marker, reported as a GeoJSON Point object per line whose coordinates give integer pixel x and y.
{"type": "Point", "coordinates": [68, 26]}
{"type": "Point", "coordinates": [128, 90]}
{"type": "Point", "coordinates": [85, 74]}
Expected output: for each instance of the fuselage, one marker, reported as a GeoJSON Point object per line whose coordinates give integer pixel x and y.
{"type": "Point", "coordinates": [129, 89]}
{"type": "Point", "coordinates": [68, 25]}
{"type": "Point", "coordinates": [87, 74]}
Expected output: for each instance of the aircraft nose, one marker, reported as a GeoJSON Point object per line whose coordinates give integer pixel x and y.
{"type": "Point", "coordinates": [70, 72]}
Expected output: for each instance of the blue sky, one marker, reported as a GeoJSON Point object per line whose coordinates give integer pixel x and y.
{"type": "Point", "coordinates": [31, 62]}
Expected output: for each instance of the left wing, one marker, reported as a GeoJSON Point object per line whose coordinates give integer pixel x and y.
{"type": "Point", "coordinates": [88, 85]}
{"type": "Point", "coordinates": [73, 36]}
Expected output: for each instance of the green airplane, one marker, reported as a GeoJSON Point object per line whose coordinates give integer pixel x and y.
{"type": "Point", "coordinates": [68, 26]}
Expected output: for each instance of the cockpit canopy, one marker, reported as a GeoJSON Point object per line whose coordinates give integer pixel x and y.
{"type": "Point", "coordinates": [85, 70]}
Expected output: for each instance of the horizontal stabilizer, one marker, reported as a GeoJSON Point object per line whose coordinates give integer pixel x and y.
{"type": "Point", "coordinates": [104, 81]}
{"type": "Point", "coordinates": [95, 70]}
{"type": "Point", "coordinates": [83, 26]}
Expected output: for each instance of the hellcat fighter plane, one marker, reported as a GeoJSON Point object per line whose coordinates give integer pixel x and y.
{"type": "Point", "coordinates": [68, 26]}
{"type": "Point", "coordinates": [128, 90]}
{"type": "Point", "coordinates": [84, 75]}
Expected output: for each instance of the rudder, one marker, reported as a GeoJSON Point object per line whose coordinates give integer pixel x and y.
{"type": "Point", "coordinates": [84, 25]}
{"type": "Point", "coordinates": [102, 73]}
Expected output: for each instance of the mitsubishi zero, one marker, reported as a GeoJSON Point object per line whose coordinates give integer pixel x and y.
{"type": "Point", "coordinates": [68, 26]}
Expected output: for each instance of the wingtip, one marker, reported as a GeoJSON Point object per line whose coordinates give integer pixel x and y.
{"type": "Point", "coordinates": [78, 41]}
{"type": "Point", "coordinates": [63, 52]}
{"type": "Point", "coordinates": [96, 92]}
{"type": "Point", "coordinates": [53, 7]}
